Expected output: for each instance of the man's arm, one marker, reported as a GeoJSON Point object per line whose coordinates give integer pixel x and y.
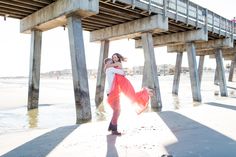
{"type": "Point", "coordinates": [115, 71]}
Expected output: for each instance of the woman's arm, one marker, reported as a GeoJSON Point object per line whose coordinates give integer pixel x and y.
{"type": "Point", "coordinates": [117, 64]}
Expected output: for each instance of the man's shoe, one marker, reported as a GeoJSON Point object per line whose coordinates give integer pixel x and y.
{"type": "Point", "coordinates": [116, 133]}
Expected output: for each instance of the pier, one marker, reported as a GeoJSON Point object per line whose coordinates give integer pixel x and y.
{"type": "Point", "coordinates": [181, 25]}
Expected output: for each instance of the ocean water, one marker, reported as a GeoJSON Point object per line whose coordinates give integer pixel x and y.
{"type": "Point", "coordinates": [56, 100]}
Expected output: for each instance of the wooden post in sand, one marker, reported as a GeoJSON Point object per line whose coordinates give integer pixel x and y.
{"type": "Point", "coordinates": [175, 88]}
{"type": "Point", "coordinates": [150, 76]}
{"type": "Point", "coordinates": [79, 70]}
{"type": "Point", "coordinates": [200, 68]}
{"type": "Point", "coordinates": [34, 73]}
{"type": "Point", "coordinates": [221, 72]}
{"type": "Point", "coordinates": [101, 76]}
{"type": "Point", "coordinates": [194, 78]}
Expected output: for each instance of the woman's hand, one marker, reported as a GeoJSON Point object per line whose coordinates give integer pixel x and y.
{"type": "Point", "coordinates": [117, 64]}
{"type": "Point", "coordinates": [105, 67]}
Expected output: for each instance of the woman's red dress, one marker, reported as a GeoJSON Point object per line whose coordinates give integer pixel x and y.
{"type": "Point", "coordinates": [122, 85]}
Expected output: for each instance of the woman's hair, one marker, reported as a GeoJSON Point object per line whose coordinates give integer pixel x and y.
{"type": "Point", "coordinates": [120, 57]}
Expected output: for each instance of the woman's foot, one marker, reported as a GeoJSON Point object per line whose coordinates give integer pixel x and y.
{"type": "Point", "coordinates": [141, 110]}
{"type": "Point", "coordinates": [150, 91]}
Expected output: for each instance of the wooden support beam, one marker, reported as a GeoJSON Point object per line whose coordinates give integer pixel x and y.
{"type": "Point", "coordinates": [110, 18]}
{"type": "Point", "coordinates": [194, 78]}
{"type": "Point", "coordinates": [12, 12]}
{"type": "Point", "coordinates": [228, 57]}
{"type": "Point", "coordinates": [101, 20]}
{"type": "Point", "coordinates": [150, 79]}
{"type": "Point", "coordinates": [17, 4]}
{"type": "Point", "coordinates": [34, 73]}
{"type": "Point", "coordinates": [132, 29]}
{"type": "Point", "coordinates": [200, 68]}
{"type": "Point", "coordinates": [29, 2]}
{"type": "Point", "coordinates": [209, 45]}
{"type": "Point", "coordinates": [183, 37]}
{"type": "Point", "coordinates": [232, 67]}
{"type": "Point", "coordinates": [115, 9]}
{"type": "Point", "coordinates": [12, 16]}
{"type": "Point", "coordinates": [112, 15]}
{"type": "Point", "coordinates": [79, 70]}
{"type": "Point", "coordinates": [175, 88]}
{"type": "Point", "coordinates": [54, 14]}
{"type": "Point", "coordinates": [44, 1]}
{"type": "Point", "coordinates": [23, 10]}
{"type": "Point", "coordinates": [221, 71]}
{"type": "Point", "coordinates": [101, 76]}
{"type": "Point", "coordinates": [216, 77]}
{"type": "Point", "coordinates": [226, 52]}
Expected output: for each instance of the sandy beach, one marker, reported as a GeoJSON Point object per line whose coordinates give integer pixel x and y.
{"type": "Point", "coordinates": [182, 128]}
{"type": "Point", "coordinates": [202, 131]}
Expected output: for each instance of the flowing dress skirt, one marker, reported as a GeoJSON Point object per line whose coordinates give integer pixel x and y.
{"type": "Point", "coordinates": [122, 85]}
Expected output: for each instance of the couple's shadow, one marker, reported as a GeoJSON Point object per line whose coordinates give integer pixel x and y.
{"type": "Point", "coordinates": [111, 146]}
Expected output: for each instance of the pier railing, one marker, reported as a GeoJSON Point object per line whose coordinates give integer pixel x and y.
{"type": "Point", "coordinates": [192, 12]}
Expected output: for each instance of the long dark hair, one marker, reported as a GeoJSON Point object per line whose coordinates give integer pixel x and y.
{"type": "Point", "coordinates": [120, 57]}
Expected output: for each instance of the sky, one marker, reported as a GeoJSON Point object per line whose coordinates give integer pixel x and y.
{"type": "Point", "coordinates": [15, 47]}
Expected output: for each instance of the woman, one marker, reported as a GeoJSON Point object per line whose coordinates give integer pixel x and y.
{"type": "Point", "coordinates": [122, 84]}
{"type": "Point", "coordinates": [115, 103]}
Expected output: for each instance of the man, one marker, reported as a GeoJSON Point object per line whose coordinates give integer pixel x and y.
{"type": "Point", "coordinates": [117, 84]}
{"type": "Point", "coordinates": [110, 74]}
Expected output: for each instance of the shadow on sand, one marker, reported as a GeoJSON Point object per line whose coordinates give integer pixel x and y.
{"type": "Point", "coordinates": [111, 148]}
{"type": "Point", "coordinates": [231, 87]}
{"type": "Point", "coordinates": [195, 139]}
{"type": "Point", "coordinates": [42, 145]}
{"type": "Point", "coordinates": [221, 105]}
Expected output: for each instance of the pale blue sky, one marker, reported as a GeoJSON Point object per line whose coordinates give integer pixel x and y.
{"type": "Point", "coordinates": [15, 47]}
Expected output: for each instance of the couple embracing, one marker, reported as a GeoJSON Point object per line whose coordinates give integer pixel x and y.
{"type": "Point", "coordinates": [118, 83]}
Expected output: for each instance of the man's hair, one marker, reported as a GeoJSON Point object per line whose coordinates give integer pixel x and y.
{"type": "Point", "coordinates": [107, 60]}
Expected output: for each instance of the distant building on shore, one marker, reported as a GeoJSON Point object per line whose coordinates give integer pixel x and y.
{"type": "Point", "coordinates": [164, 69]}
